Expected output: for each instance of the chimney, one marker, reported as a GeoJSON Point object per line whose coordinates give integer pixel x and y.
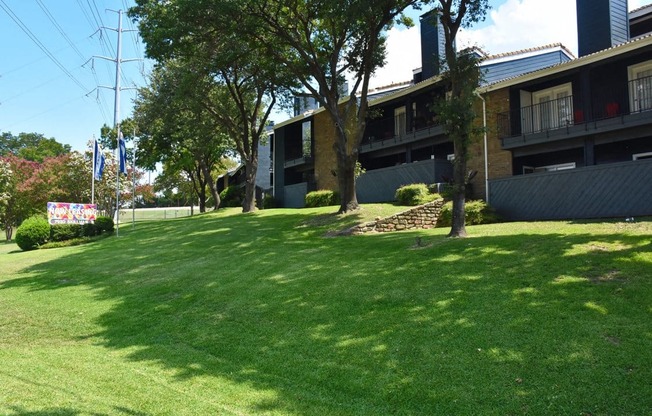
{"type": "Point", "coordinates": [432, 44]}
{"type": "Point", "coordinates": [601, 24]}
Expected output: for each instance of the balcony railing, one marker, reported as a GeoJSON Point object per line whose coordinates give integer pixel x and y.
{"type": "Point", "coordinates": [393, 130]}
{"type": "Point", "coordinates": [548, 115]}
{"type": "Point", "coordinates": [604, 104]}
{"type": "Point", "coordinates": [640, 94]}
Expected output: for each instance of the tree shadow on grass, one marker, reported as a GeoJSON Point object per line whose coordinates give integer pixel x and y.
{"type": "Point", "coordinates": [67, 411]}
{"type": "Point", "coordinates": [501, 324]}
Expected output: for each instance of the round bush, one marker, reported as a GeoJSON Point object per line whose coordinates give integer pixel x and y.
{"type": "Point", "coordinates": [32, 233]}
{"type": "Point", "coordinates": [232, 196]}
{"type": "Point", "coordinates": [104, 225]}
{"type": "Point", "coordinates": [414, 194]}
{"type": "Point", "coordinates": [475, 212]}
{"type": "Point", "coordinates": [322, 198]}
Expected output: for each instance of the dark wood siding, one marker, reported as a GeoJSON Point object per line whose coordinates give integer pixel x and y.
{"type": "Point", "coordinates": [504, 70]}
{"type": "Point", "coordinates": [380, 185]}
{"type": "Point", "coordinates": [619, 22]}
{"type": "Point", "coordinates": [604, 191]}
{"type": "Point", "coordinates": [294, 196]}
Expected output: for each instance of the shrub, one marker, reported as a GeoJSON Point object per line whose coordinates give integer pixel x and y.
{"type": "Point", "coordinates": [32, 233]}
{"type": "Point", "coordinates": [63, 232]}
{"type": "Point", "coordinates": [414, 194]}
{"type": "Point", "coordinates": [475, 212]}
{"type": "Point", "coordinates": [322, 198]}
{"type": "Point", "coordinates": [104, 225]}
{"type": "Point", "coordinates": [268, 202]}
{"type": "Point", "coordinates": [89, 230]}
{"type": "Point", "coordinates": [232, 196]}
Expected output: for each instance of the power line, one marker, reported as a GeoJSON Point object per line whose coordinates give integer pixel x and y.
{"type": "Point", "coordinates": [59, 28]}
{"type": "Point", "coordinates": [38, 43]}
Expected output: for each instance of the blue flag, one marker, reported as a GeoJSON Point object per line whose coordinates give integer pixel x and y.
{"type": "Point", "coordinates": [98, 157]}
{"type": "Point", "coordinates": [123, 155]}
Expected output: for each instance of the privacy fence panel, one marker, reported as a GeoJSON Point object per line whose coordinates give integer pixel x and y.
{"type": "Point", "coordinates": [603, 191]}
{"type": "Point", "coordinates": [295, 195]}
{"type": "Point", "coordinates": [380, 185]}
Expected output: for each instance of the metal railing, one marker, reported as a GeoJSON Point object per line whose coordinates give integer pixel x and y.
{"type": "Point", "coordinates": [640, 94]}
{"type": "Point", "coordinates": [605, 103]}
{"type": "Point", "coordinates": [548, 115]}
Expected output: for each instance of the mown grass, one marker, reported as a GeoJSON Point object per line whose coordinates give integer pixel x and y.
{"type": "Point", "coordinates": [261, 314]}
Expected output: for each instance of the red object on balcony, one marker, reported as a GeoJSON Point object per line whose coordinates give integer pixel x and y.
{"type": "Point", "coordinates": [613, 109]}
{"type": "Point", "coordinates": [578, 116]}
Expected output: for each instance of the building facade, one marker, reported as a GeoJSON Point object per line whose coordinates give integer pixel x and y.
{"type": "Point", "coordinates": [561, 132]}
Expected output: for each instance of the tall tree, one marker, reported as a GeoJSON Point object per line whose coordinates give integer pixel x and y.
{"type": "Point", "coordinates": [321, 42]}
{"type": "Point", "coordinates": [179, 130]}
{"type": "Point", "coordinates": [456, 110]}
{"type": "Point", "coordinates": [31, 146]}
{"type": "Point", "coordinates": [6, 176]}
{"type": "Point", "coordinates": [242, 80]}
{"type": "Point", "coordinates": [24, 192]}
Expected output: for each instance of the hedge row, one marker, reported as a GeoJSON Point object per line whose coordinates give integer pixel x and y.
{"type": "Point", "coordinates": [36, 231]}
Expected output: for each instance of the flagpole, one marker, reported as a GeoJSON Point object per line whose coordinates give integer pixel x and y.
{"type": "Point", "coordinates": [133, 186]}
{"type": "Point", "coordinates": [117, 185]}
{"type": "Point", "coordinates": [94, 156]}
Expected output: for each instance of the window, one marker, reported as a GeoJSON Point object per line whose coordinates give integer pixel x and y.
{"type": "Point", "coordinates": [549, 168]}
{"type": "Point", "coordinates": [640, 87]}
{"type": "Point", "coordinates": [400, 121]}
{"type": "Point", "coordinates": [306, 138]}
{"type": "Point", "coordinates": [547, 109]}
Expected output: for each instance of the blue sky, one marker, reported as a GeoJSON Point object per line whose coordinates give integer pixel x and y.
{"type": "Point", "coordinates": [53, 88]}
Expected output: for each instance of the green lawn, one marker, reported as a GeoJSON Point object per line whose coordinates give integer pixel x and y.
{"type": "Point", "coordinates": [260, 313]}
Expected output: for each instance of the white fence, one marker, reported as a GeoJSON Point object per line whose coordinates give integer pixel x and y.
{"type": "Point", "coordinates": [155, 214]}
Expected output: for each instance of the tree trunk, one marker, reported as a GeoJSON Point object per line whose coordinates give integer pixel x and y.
{"type": "Point", "coordinates": [249, 203]}
{"type": "Point", "coordinates": [211, 183]}
{"type": "Point", "coordinates": [346, 183]}
{"type": "Point", "coordinates": [346, 151]}
{"type": "Point", "coordinates": [201, 195]}
{"type": "Point", "coordinates": [458, 228]}
{"type": "Point", "coordinates": [9, 232]}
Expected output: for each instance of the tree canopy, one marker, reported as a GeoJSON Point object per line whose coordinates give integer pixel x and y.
{"type": "Point", "coordinates": [177, 130]}
{"type": "Point", "coordinates": [236, 82]}
{"type": "Point", "coordinates": [321, 43]}
{"type": "Point", "coordinates": [31, 146]}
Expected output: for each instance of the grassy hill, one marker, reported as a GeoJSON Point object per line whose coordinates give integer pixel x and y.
{"type": "Point", "coordinates": [240, 314]}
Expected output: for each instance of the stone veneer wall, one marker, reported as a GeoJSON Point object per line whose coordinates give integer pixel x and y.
{"type": "Point", "coordinates": [421, 217]}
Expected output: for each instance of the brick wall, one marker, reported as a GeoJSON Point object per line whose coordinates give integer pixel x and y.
{"type": "Point", "coordinates": [500, 161]}
{"type": "Point", "coordinates": [324, 142]}
{"type": "Point", "coordinates": [325, 157]}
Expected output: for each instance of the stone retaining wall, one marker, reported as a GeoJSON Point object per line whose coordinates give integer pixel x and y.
{"type": "Point", "coordinates": [421, 217]}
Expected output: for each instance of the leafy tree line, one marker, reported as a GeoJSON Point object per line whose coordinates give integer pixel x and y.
{"type": "Point", "coordinates": [241, 57]}
{"type": "Point", "coordinates": [35, 170]}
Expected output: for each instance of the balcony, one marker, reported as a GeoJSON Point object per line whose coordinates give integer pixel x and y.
{"type": "Point", "coordinates": [566, 118]}
{"type": "Point", "coordinates": [299, 161]}
{"type": "Point", "coordinates": [393, 131]}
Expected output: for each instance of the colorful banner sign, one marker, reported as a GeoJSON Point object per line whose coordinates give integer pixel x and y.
{"type": "Point", "coordinates": [67, 213]}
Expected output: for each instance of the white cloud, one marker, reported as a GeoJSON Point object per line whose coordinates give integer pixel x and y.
{"type": "Point", "coordinates": [403, 55]}
{"type": "Point", "coordinates": [514, 25]}
{"type": "Point", "coordinates": [521, 24]}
